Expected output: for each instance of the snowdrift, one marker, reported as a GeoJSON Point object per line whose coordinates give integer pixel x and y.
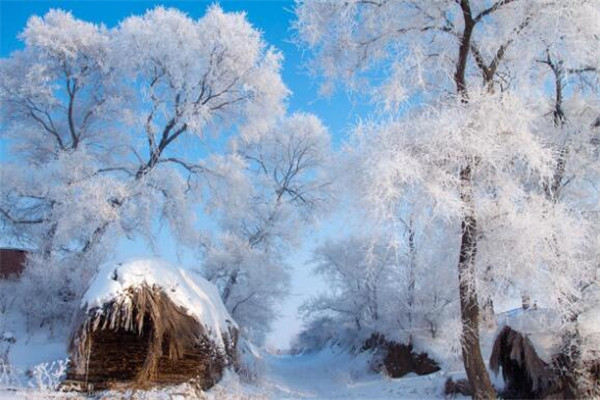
{"type": "Point", "coordinates": [145, 322]}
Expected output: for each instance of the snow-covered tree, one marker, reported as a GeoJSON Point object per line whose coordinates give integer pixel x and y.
{"type": "Point", "coordinates": [571, 125]}
{"type": "Point", "coordinates": [472, 148]}
{"type": "Point", "coordinates": [381, 284]}
{"type": "Point", "coordinates": [109, 129]}
{"type": "Point", "coordinates": [58, 113]}
{"type": "Point", "coordinates": [358, 273]}
{"type": "Point", "coordinates": [191, 79]}
{"type": "Point", "coordinates": [263, 192]}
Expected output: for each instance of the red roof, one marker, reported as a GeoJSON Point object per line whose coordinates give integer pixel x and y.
{"type": "Point", "coordinates": [12, 262]}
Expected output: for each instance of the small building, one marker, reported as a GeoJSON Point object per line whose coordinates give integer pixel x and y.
{"type": "Point", "coordinates": [145, 323]}
{"type": "Point", "coordinates": [12, 262]}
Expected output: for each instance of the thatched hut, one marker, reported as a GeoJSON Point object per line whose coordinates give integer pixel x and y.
{"type": "Point", "coordinates": [525, 374]}
{"type": "Point", "coordinates": [145, 323]}
{"type": "Point", "coordinates": [538, 363]}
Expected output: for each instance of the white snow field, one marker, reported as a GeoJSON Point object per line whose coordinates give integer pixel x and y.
{"type": "Point", "coordinates": [331, 373]}
{"type": "Point", "coordinates": [37, 362]}
{"type": "Point", "coordinates": [328, 374]}
{"type": "Point", "coordinates": [335, 374]}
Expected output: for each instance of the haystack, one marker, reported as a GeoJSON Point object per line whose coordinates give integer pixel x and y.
{"type": "Point", "coordinates": [145, 323]}
{"type": "Point", "coordinates": [525, 374]}
{"type": "Point", "coordinates": [539, 363]}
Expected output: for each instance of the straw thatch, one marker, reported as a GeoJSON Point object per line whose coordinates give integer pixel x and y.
{"type": "Point", "coordinates": [142, 338]}
{"type": "Point", "coordinates": [525, 374]}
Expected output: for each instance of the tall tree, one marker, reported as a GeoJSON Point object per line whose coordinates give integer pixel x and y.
{"type": "Point", "coordinates": [472, 147]}
{"type": "Point", "coordinates": [570, 125]}
{"type": "Point", "coordinates": [269, 189]}
{"type": "Point", "coordinates": [109, 130]}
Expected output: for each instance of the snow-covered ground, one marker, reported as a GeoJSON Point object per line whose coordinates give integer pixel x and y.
{"type": "Point", "coordinates": [336, 374]}
{"type": "Point", "coordinates": [37, 357]}
{"type": "Point", "coordinates": [331, 373]}
{"type": "Point", "coordinates": [37, 364]}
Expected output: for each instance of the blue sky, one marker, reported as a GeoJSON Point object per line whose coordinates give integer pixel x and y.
{"type": "Point", "coordinates": [274, 19]}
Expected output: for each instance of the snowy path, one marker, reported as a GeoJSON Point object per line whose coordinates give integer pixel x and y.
{"type": "Point", "coordinates": [330, 375]}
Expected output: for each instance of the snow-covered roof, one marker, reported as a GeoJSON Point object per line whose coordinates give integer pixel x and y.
{"type": "Point", "coordinates": [196, 295]}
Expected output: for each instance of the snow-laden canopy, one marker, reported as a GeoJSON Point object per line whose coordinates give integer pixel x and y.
{"type": "Point", "coordinates": [200, 298]}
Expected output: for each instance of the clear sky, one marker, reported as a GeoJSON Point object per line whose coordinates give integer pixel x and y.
{"type": "Point", "coordinates": [274, 19]}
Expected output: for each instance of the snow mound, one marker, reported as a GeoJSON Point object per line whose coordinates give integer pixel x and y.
{"type": "Point", "coordinates": [197, 296]}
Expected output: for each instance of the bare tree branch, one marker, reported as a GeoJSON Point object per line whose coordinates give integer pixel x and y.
{"type": "Point", "coordinates": [20, 221]}
{"type": "Point", "coordinates": [492, 9]}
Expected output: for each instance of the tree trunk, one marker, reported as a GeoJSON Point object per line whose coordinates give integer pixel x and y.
{"type": "Point", "coordinates": [477, 373]}
{"type": "Point", "coordinates": [231, 282]}
{"type": "Point", "coordinates": [469, 306]}
{"type": "Point", "coordinates": [411, 277]}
